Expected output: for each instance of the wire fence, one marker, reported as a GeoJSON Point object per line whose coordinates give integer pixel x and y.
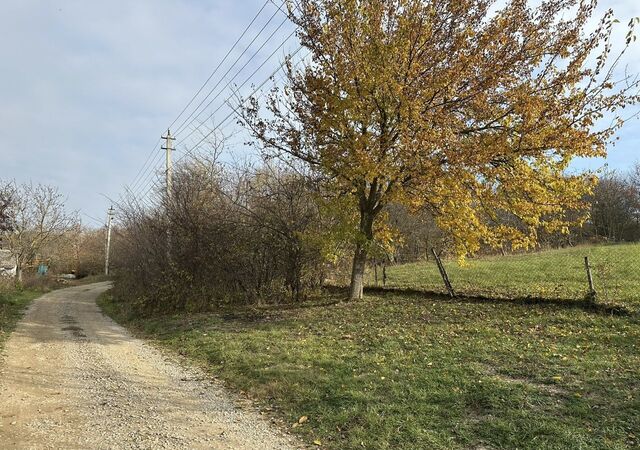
{"type": "Point", "coordinates": [561, 274]}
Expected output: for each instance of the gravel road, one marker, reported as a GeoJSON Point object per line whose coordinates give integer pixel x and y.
{"type": "Point", "coordinates": [72, 378]}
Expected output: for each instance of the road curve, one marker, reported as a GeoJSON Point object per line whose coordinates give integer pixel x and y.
{"type": "Point", "coordinates": [72, 378]}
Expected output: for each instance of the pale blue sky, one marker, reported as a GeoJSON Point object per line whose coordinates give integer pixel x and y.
{"type": "Point", "coordinates": [87, 87]}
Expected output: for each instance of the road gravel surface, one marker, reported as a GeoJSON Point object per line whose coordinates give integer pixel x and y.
{"type": "Point", "coordinates": [72, 378]}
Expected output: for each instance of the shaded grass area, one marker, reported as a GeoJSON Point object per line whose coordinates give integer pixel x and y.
{"type": "Point", "coordinates": [12, 305]}
{"type": "Point", "coordinates": [407, 372]}
{"type": "Point", "coordinates": [553, 274]}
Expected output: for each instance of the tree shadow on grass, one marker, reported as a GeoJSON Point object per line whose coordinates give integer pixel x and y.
{"type": "Point", "coordinates": [338, 295]}
{"type": "Point", "coordinates": [585, 304]}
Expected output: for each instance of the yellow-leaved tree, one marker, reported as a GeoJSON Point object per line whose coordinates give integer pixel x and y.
{"type": "Point", "coordinates": [471, 110]}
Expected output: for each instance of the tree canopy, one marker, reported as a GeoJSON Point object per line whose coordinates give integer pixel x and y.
{"type": "Point", "coordinates": [470, 110]}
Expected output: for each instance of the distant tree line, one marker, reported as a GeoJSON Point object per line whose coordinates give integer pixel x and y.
{"type": "Point", "coordinates": [615, 210]}
{"type": "Point", "coordinates": [36, 228]}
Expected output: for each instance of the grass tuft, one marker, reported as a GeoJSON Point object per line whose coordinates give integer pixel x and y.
{"type": "Point", "coordinates": [12, 305]}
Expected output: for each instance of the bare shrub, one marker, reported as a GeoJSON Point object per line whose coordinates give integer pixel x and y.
{"type": "Point", "coordinates": [226, 235]}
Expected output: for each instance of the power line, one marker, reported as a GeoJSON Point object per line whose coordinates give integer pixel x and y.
{"type": "Point", "coordinates": [185, 123]}
{"type": "Point", "coordinates": [150, 172]}
{"type": "Point", "coordinates": [153, 151]}
{"type": "Point", "coordinates": [220, 64]}
{"type": "Point", "coordinates": [234, 110]}
{"type": "Point", "coordinates": [149, 180]}
{"type": "Point", "coordinates": [189, 152]}
{"type": "Point", "coordinates": [153, 184]}
{"type": "Point", "coordinates": [245, 82]}
{"type": "Point", "coordinates": [137, 178]}
{"type": "Point", "coordinates": [144, 181]}
{"type": "Point", "coordinates": [97, 221]}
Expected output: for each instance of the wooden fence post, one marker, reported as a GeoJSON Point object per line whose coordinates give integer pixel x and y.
{"type": "Point", "coordinates": [443, 273]}
{"type": "Point", "coordinates": [592, 290]}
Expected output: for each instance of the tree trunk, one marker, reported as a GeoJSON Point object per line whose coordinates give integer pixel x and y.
{"type": "Point", "coordinates": [357, 273]}
{"type": "Point", "coordinates": [19, 274]}
{"type": "Point", "coordinates": [367, 218]}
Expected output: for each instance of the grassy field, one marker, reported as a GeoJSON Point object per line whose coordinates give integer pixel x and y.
{"type": "Point", "coordinates": [553, 274]}
{"type": "Point", "coordinates": [418, 372]}
{"type": "Point", "coordinates": [12, 303]}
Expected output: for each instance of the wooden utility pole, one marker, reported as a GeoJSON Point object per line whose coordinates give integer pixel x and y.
{"type": "Point", "coordinates": [168, 147]}
{"type": "Point", "coordinates": [110, 214]}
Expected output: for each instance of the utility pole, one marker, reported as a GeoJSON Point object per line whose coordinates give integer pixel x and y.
{"type": "Point", "coordinates": [110, 214]}
{"type": "Point", "coordinates": [168, 147]}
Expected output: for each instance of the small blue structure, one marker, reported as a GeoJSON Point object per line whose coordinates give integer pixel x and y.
{"type": "Point", "coordinates": [43, 269]}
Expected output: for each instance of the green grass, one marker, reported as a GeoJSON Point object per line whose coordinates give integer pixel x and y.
{"type": "Point", "coordinates": [413, 372]}
{"type": "Point", "coordinates": [12, 305]}
{"type": "Point", "coordinates": [553, 274]}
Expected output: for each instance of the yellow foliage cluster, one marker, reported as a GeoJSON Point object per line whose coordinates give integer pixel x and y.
{"type": "Point", "coordinates": [444, 105]}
